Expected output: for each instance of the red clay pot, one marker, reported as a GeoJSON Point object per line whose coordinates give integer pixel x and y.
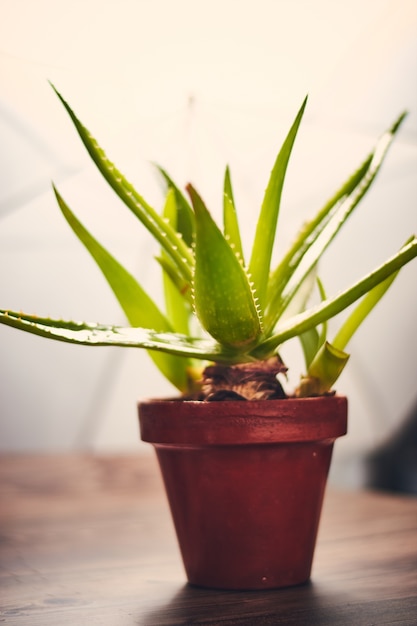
{"type": "Point", "coordinates": [245, 483]}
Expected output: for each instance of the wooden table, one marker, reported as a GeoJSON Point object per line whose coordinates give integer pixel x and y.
{"type": "Point", "coordinates": [88, 540]}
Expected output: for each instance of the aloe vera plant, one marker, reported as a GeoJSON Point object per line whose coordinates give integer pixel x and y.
{"type": "Point", "coordinates": [246, 309]}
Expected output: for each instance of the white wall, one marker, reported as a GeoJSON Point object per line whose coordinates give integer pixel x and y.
{"type": "Point", "coordinates": [193, 86]}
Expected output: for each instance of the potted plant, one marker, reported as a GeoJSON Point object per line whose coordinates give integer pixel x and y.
{"type": "Point", "coordinates": [244, 461]}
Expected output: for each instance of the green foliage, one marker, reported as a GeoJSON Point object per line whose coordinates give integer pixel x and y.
{"type": "Point", "coordinates": [223, 297]}
{"type": "Point", "coordinates": [246, 312]}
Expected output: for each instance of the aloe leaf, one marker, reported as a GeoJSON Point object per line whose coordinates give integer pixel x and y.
{"type": "Point", "coordinates": [138, 307]}
{"type": "Point", "coordinates": [231, 225]}
{"type": "Point", "coordinates": [176, 306]}
{"type": "Point", "coordinates": [332, 306]}
{"type": "Point", "coordinates": [306, 237]}
{"type": "Point", "coordinates": [323, 297]}
{"type": "Point", "coordinates": [310, 342]}
{"type": "Point", "coordinates": [299, 303]}
{"type": "Point", "coordinates": [361, 312]}
{"type": "Point", "coordinates": [93, 334]}
{"type": "Point", "coordinates": [331, 359]}
{"type": "Point", "coordinates": [185, 223]}
{"type": "Point", "coordinates": [223, 297]}
{"type": "Point", "coordinates": [260, 262]}
{"type": "Point", "coordinates": [171, 271]}
{"type": "Point", "coordinates": [315, 237]}
{"type": "Point", "coordinates": [323, 372]}
{"type": "Point", "coordinates": [162, 232]}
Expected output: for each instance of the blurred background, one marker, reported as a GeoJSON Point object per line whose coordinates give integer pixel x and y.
{"type": "Point", "coordinates": [194, 86]}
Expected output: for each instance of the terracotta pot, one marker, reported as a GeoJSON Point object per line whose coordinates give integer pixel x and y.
{"type": "Point", "coordinates": [245, 483]}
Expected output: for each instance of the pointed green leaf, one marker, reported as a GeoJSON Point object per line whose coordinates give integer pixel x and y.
{"type": "Point", "coordinates": [323, 372]}
{"type": "Point", "coordinates": [176, 306]}
{"type": "Point", "coordinates": [172, 273]}
{"type": "Point", "coordinates": [315, 236]}
{"type": "Point", "coordinates": [260, 262]}
{"type": "Point", "coordinates": [231, 225]}
{"type": "Point", "coordinates": [310, 342]}
{"type": "Point", "coordinates": [305, 238]}
{"type": "Point", "coordinates": [223, 297]}
{"type": "Point", "coordinates": [361, 312]}
{"type": "Point", "coordinates": [332, 306]}
{"type": "Point", "coordinates": [138, 307]}
{"type": "Point", "coordinates": [325, 363]}
{"type": "Point", "coordinates": [94, 334]}
{"type": "Point", "coordinates": [185, 222]}
{"type": "Point", "coordinates": [162, 232]}
{"type": "Point", "coordinates": [323, 297]}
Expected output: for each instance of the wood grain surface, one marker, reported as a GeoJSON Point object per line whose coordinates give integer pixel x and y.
{"type": "Point", "coordinates": [87, 540]}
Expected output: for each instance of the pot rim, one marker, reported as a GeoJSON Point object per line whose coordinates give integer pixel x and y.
{"type": "Point", "coordinates": [174, 421]}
